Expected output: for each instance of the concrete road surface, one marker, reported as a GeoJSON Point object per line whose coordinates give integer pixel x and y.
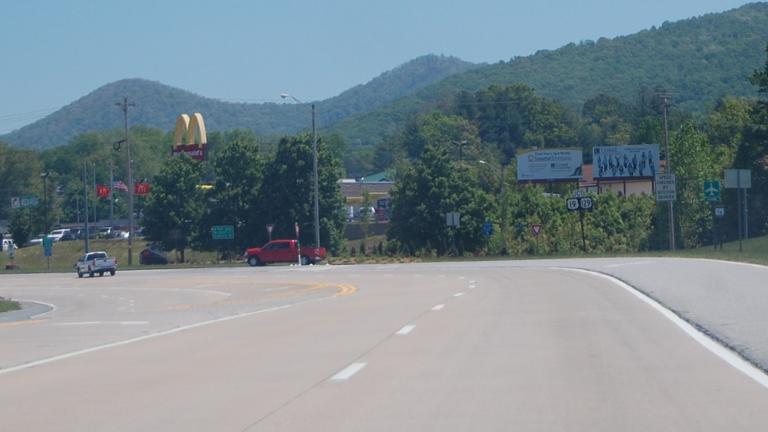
{"type": "Point", "coordinates": [441, 347]}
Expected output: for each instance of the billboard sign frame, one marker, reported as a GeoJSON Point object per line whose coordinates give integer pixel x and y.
{"type": "Point", "coordinates": [640, 161]}
{"type": "Point", "coordinates": [564, 164]}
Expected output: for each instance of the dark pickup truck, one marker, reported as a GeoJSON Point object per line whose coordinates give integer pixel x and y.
{"type": "Point", "coordinates": [283, 251]}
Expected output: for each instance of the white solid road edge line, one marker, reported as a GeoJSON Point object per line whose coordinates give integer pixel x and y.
{"type": "Point", "coordinates": [405, 330]}
{"type": "Point", "coordinates": [50, 305]}
{"type": "Point", "coordinates": [136, 339]}
{"type": "Point", "coordinates": [347, 372]}
{"type": "Point", "coordinates": [710, 344]}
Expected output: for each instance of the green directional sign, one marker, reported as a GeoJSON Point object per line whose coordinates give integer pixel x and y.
{"type": "Point", "coordinates": [223, 232]}
{"type": "Point", "coordinates": [712, 190]}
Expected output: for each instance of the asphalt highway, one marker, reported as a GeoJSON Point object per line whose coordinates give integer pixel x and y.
{"type": "Point", "coordinates": [446, 347]}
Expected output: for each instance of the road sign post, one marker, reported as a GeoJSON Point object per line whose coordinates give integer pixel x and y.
{"type": "Point", "coordinates": [581, 203]}
{"type": "Point", "coordinates": [223, 232]}
{"type": "Point", "coordinates": [740, 179]}
{"type": "Point", "coordinates": [712, 190]}
{"type": "Point", "coordinates": [48, 249]}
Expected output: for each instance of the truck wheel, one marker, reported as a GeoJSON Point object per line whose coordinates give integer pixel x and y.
{"type": "Point", "coordinates": [79, 274]}
{"type": "Point", "coordinates": [91, 274]}
{"type": "Point", "coordinates": [253, 261]}
{"type": "Point", "coordinates": [101, 273]}
{"type": "Point", "coordinates": [305, 260]}
{"type": "Point", "coordinates": [112, 272]}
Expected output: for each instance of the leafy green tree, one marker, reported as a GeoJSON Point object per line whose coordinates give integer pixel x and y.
{"type": "Point", "coordinates": [21, 226]}
{"type": "Point", "coordinates": [753, 154]}
{"type": "Point", "coordinates": [513, 118]}
{"type": "Point", "coordinates": [286, 194]}
{"type": "Point", "coordinates": [174, 208]}
{"type": "Point", "coordinates": [237, 169]}
{"type": "Point", "coordinates": [428, 189]}
{"type": "Point", "coordinates": [20, 173]}
{"type": "Point", "coordinates": [693, 161]}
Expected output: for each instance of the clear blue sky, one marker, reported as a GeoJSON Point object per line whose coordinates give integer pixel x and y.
{"type": "Point", "coordinates": [54, 52]}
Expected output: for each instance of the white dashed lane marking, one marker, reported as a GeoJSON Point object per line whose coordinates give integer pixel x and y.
{"type": "Point", "coordinates": [348, 372]}
{"type": "Point", "coordinates": [438, 307]}
{"type": "Point", "coordinates": [405, 330]}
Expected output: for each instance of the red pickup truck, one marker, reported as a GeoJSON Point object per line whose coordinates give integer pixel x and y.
{"type": "Point", "coordinates": [278, 251]}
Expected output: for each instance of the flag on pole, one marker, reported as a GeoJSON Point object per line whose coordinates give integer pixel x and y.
{"type": "Point", "coordinates": [102, 191]}
{"type": "Point", "coordinates": [120, 185]}
{"type": "Point", "coordinates": [141, 189]}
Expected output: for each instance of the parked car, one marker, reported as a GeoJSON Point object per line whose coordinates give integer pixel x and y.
{"type": "Point", "coordinates": [56, 235]}
{"type": "Point", "coordinates": [105, 232]}
{"type": "Point", "coordinates": [283, 251]}
{"type": "Point", "coordinates": [68, 236]}
{"type": "Point", "coordinates": [96, 262]}
{"type": "Point", "coordinates": [149, 257]}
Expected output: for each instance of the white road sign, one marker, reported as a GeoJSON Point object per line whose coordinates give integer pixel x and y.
{"type": "Point", "coordinates": [665, 187]}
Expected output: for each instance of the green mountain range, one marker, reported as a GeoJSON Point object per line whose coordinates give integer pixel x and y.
{"type": "Point", "coordinates": [697, 60]}
{"type": "Point", "coordinates": [157, 105]}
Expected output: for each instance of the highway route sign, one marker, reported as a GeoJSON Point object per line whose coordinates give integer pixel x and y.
{"type": "Point", "coordinates": [719, 211]}
{"type": "Point", "coordinates": [585, 203]}
{"type": "Point", "coordinates": [536, 229]}
{"type": "Point", "coordinates": [572, 203]}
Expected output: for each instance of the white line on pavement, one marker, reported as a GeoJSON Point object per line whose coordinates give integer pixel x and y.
{"type": "Point", "coordinates": [347, 372]}
{"type": "Point", "coordinates": [84, 323]}
{"type": "Point", "coordinates": [438, 307]}
{"type": "Point", "coordinates": [714, 347]}
{"type": "Point", "coordinates": [458, 294]}
{"type": "Point", "coordinates": [137, 339]}
{"type": "Point", "coordinates": [405, 330]}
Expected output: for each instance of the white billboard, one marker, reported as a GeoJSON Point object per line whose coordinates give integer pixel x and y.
{"type": "Point", "coordinates": [629, 161]}
{"type": "Point", "coordinates": [555, 164]}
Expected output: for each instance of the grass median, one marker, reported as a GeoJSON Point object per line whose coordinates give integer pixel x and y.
{"type": "Point", "coordinates": [7, 305]}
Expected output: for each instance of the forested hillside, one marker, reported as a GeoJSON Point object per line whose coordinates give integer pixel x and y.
{"type": "Point", "coordinates": [158, 105]}
{"type": "Point", "coordinates": [698, 60]}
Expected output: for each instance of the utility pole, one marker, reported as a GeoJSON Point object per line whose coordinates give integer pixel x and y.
{"type": "Point", "coordinates": [124, 106]}
{"type": "Point", "coordinates": [111, 196]}
{"type": "Point", "coordinates": [45, 175]}
{"type": "Point", "coordinates": [668, 169]}
{"type": "Point", "coordinates": [317, 185]}
{"type": "Point", "coordinates": [85, 203]}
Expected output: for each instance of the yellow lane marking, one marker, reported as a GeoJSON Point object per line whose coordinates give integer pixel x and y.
{"type": "Point", "coordinates": [19, 323]}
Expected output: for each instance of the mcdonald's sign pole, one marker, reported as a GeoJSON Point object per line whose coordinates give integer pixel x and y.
{"type": "Point", "coordinates": [124, 106]}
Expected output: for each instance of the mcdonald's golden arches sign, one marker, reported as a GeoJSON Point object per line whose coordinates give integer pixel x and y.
{"type": "Point", "coordinates": [189, 136]}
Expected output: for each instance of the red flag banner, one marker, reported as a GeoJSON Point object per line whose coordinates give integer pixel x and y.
{"type": "Point", "coordinates": [102, 191]}
{"type": "Point", "coordinates": [142, 189]}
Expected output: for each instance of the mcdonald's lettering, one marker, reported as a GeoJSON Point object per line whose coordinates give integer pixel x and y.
{"type": "Point", "coordinates": [189, 136]}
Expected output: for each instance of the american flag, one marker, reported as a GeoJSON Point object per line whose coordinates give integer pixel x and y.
{"type": "Point", "coordinates": [119, 185]}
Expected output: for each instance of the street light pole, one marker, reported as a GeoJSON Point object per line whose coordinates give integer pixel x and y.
{"type": "Point", "coordinates": [124, 106]}
{"type": "Point", "coordinates": [316, 181]}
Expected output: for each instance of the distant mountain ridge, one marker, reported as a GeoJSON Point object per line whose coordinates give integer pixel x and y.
{"type": "Point", "coordinates": [158, 105]}
{"type": "Point", "coordinates": [698, 60]}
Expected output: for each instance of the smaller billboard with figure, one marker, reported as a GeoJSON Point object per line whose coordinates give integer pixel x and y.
{"type": "Point", "coordinates": [622, 162]}
{"type": "Point", "coordinates": [549, 165]}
